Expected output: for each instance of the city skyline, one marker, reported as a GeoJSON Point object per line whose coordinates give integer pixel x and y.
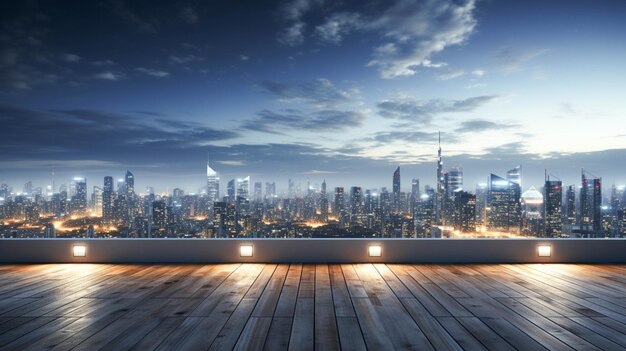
{"type": "Point", "coordinates": [304, 90]}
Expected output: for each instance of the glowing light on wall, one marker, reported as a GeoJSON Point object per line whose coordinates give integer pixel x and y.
{"type": "Point", "coordinates": [544, 250]}
{"type": "Point", "coordinates": [375, 251]}
{"type": "Point", "coordinates": [79, 250]}
{"type": "Point", "coordinates": [246, 250]}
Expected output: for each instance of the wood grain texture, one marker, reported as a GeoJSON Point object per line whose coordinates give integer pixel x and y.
{"type": "Point", "coordinates": [313, 307]}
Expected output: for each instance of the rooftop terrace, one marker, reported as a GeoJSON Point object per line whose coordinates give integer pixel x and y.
{"type": "Point", "coordinates": [374, 306]}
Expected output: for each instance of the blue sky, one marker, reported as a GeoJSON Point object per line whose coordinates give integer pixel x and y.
{"type": "Point", "coordinates": [311, 89]}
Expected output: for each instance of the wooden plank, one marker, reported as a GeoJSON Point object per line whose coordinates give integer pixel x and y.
{"type": "Point", "coordinates": [278, 335]}
{"type": "Point", "coordinates": [254, 334]}
{"type": "Point", "coordinates": [326, 334]}
{"type": "Point", "coordinates": [303, 328]}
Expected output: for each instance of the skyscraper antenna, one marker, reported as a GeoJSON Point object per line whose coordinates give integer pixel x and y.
{"type": "Point", "coordinates": [440, 139]}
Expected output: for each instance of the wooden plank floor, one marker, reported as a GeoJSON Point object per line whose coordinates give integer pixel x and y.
{"type": "Point", "coordinates": [312, 307]}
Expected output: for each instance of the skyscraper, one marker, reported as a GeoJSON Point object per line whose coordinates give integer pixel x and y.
{"type": "Point", "coordinates": [129, 183]}
{"type": "Point", "coordinates": [340, 206]}
{"type": "Point", "coordinates": [258, 191]}
{"type": "Point", "coordinates": [396, 190]}
{"type": "Point", "coordinates": [79, 199]}
{"type": "Point", "coordinates": [570, 206]}
{"type": "Point", "coordinates": [440, 186]}
{"type": "Point", "coordinates": [503, 203]}
{"type": "Point", "coordinates": [515, 175]}
{"type": "Point", "coordinates": [465, 212]}
{"type": "Point", "coordinates": [231, 191]}
{"type": "Point", "coordinates": [323, 203]}
{"type": "Point", "coordinates": [243, 188]}
{"type": "Point", "coordinates": [212, 186]}
{"type": "Point", "coordinates": [532, 212]}
{"type": "Point", "coordinates": [107, 199]}
{"type": "Point", "coordinates": [591, 205]}
{"type": "Point", "coordinates": [553, 206]}
{"type": "Point", "coordinates": [356, 206]}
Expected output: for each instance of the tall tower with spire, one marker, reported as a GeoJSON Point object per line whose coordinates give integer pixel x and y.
{"type": "Point", "coordinates": [212, 185]}
{"type": "Point", "coordinates": [441, 190]}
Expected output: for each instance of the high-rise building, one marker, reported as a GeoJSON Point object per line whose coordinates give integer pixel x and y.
{"type": "Point", "coordinates": [440, 193]}
{"type": "Point", "coordinates": [231, 191]}
{"type": "Point", "coordinates": [503, 205]}
{"type": "Point", "coordinates": [323, 203]}
{"type": "Point", "coordinates": [425, 213]}
{"type": "Point", "coordinates": [291, 190]}
{"type": "Point", "coordinates": [464, 212]}
{"type": "Point", "coordinates": [96, 201]}
{"type": "Point", "coordinates": [270, 190]}
{"type": "Point", "coordinates": [212, 186]}
{"type": "Point", "coordinates": [532, 208]}
{"type": "Point", "coordinates": [570, 205]}
{"type": "Point", "coordinates": [129, 183]}
{"type": "Point", "coordinates": [79, 199]}
{"type": "Point", "coordinates": [107, 199]}
{"type": "Point", "coordinates": [553, 216]}
{"type": "Point", "coordinates": [243, 188]}
{"type": "Point", "coordinates": [591, 205]}
{"type": "Point", "coordinates": [340, 206]}
{"type": "Point", "coordinates": [515, 175]}
{"type": "Point", "coordinates": [396, 190]}
{"type": "Point", "coordinates": [356, 206]}
{"type": "Point", "coordinates": [159, 213]}
{"type": "Point", "coordinates": [481, 203]}
{"type": "Point", "coordinates": [258, 191]}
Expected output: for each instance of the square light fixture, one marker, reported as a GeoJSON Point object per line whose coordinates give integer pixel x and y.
{"type": "Point", "coordinates": [544, 250]}
{"type": "Point", "coordinates": [375, 251]}
{"type": "Point", "coordinates": [245, 250]}
{"type": "Point", "coordinates": [79, 250]}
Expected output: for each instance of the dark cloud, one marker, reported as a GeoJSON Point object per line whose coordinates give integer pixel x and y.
{"type": "Point", "coordinates": [409, 136]}
{"type": "Point", "coordinates": [481, 125]}
{"type": "Point", "coordinates": [319, 92]}
{"type": "Point", "coordinates": [506, 150]}
{"type": "Point", "coordinates": [77, 134]}
{"type": "Point", "coordinates": [278, 122]}
{"type": "Point", "coordinates": [423, 111]}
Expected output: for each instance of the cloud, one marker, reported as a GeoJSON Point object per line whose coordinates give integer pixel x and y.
{"type": "Point", "coordinates": [189, 15]}
{"type": "Point", "coordinates": [409, 136]}
{"type": "Point", "coordinates": [293, 12]}
{"type": "Point", "coordinates": [512, 60]}
{"type": "Point", "coordinates": [451, 74]}
{"type": "Point", "coordinates": [501, 151]}
{"type": "Point", "coordinates": [121, 9]}
{"type": "Point", "coordinates": [423, 111]}
{"type": "Point", "coordinates": [71, 58]}
{"type": "Point", "coordinates": [479, 72]}
{"type": "Point", "coordinates": [278, 122]}
{"type": "Point", "coordinates": [108, 75]}
{"type": "Point", "coordinates": [102, 63]}
{"type": "Point", "coordinates": [318, 92]}
{"type": "Point", "coordinates": [153, 72]}
{"type": "Point", "coordinates": [481, 125]}
{"type": "Point", "coordinates": [337, 26]}
{"type": "Point", "coordinates": [80, 134]}
{"type": "Point", "coordinates": [231, 163]}
{"type": "Point", "coordinates": [244, 57]}
{"type": "Point", "coordinates": [411, 32]}
{"type": "Point", "coordinates": [185, 59]}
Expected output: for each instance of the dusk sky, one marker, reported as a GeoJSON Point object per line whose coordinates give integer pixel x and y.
{"type": "Point", "coordinates": [311, 89]}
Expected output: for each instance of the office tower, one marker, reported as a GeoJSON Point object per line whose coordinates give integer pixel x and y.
{"type": "Point", "coordinates": [159, 213]}
{"type": "Point", "coordinates": [49, 231]}
{"type": "Point", "coordinates": [425, 213]}
{"type": "Point", "coordinates": [481, 203]}
{"type": "Point", "coordinates": [515, 175]}
{"type": "Point", "coordinates": [212, 186]}
{"type": "Point", "coordinates": [231, 191]}
{"type": "Point", "coordinates": [440, 193]}
{"type": "Point", "coordinates": [396, 190]}
{"type": "Point", "coordinates": [532, 208]}
{"type": "Point", "coordinates": [503, 205]}
{"type": "Point", "coordinates": [570, 205]}
{"type": "Point", "coordinates": [96, 201]}
{"type": "Point", "coordinates": [121, 186]}
{"type": "Point", "coordinates": [465, 212]}
{"type": "Point", "coordinates": [340, 206]}
{"type": "Point", "coordinates": [270, 191]}
{"type": "Point", "coordinates": [129, 184]}
{"type": "Point", "coordinates": [79, 199]}
{"type": "Point", "coordinates": [591, 205]}
{"type": "Point", "coordinates": [323, 203]}
{"type": "Point", "coordinates": [243, 188]}
{"type": "Point", "coordinates": [107, 199]}
{"type": "Point", "coordinates": [28, 188]}
{"type": "Point", "coordinates": [258, 191]}
{"type": "Point", "coordinates": [553, 206]}
{"type": "Point", "coordinates": [291, 191]}
{"type": "Point", "coordinates": [356, 206]}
